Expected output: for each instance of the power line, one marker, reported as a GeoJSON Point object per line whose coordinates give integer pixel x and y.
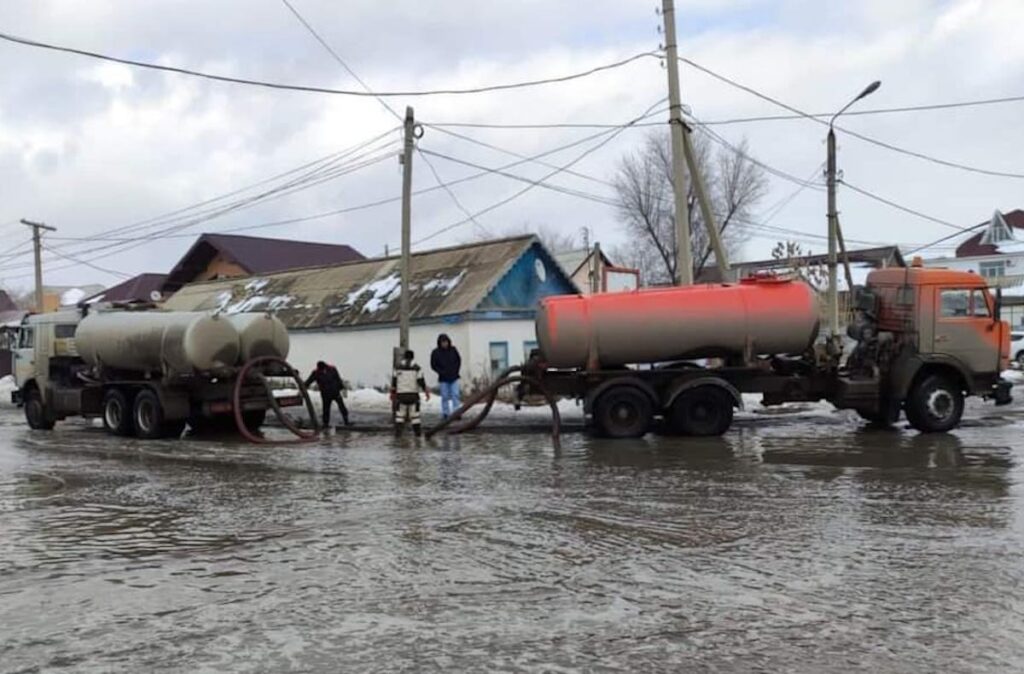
{"type": "Point", "coordinates": [364, 85]}
{"type": "Point", "coordinates": [905, 209]}
{"type": "Point", "coordinates": [556, 171]}
{"type": "Point", "coordinates": [86, 263]}
{"type": "Point", "coordinates": [936, 242]}
{"type": "Point", "coordinates": [746, 120]}
{"type": "Point", "coordinates": [324, 90]}
{"type": "Point", "coordinates": [779, 173]}
{"type": "Point", "coordinates": [868, 139]}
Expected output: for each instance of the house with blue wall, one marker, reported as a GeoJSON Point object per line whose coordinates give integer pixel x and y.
{"type": "Point", "coordinates": [483, 295]}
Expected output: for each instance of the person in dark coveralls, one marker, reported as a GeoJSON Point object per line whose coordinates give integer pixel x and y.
{"type": "Point", "coordinates": [331, 385]}
{"type": "Point", "coordinates": [406, 383]}
{"type": "Point", "coordinates": [446, 362]}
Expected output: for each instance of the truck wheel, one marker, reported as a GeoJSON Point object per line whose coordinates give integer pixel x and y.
{"type": "Point", "coordinates": [702, 411]}
{"type": "Point", "coordinates": [148, 415]}
{"type": "Point", "coordinates": [35, 411]}
{"type": "Point", "coordinates": [623, 412]}
{"type": "Point", "coordinates": [1020, 357]}
{"type": "Point", "coordinates": [935, 405]}
{"type": "Point", "coordinates": [117, 415]}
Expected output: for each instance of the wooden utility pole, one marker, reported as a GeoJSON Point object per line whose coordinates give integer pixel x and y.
{"type": "Point", "coordinates": [410, 130]}
{"type": "Point", "coordinates": [38, 245]}
{"type": "Point", "coordinates": [684, 256]}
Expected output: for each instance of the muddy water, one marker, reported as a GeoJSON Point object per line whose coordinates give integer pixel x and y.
{"type": "Point", "coordinates": [797, 543]}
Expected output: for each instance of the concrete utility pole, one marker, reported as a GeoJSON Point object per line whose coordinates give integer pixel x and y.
{"type": "Point", "coordinates": [38, 244]}
{"type": "Point", "coordinates": [684, 256]}
{"type": "Point", "coordinates": [833, 215]}
{"type": "Point", "coordinates": [410, 131]}
{"type": "Point", "coordinates": [706, 212]}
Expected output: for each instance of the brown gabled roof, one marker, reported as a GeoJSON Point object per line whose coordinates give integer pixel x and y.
{"type": "Point", "coordinates": [973, 246]}
{"type": "Point", "coordinates": [257, 255]}
{"type": "Point", "coordinates": [136, 289]}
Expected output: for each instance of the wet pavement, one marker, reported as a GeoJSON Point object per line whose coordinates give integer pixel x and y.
{"type": "Point", "coordinates": [796, 543]}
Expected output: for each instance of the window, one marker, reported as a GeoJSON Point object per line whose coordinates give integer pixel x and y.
{"type": "Point", "coordinates": [992, 269]}
{"type": "Point", "coordinates": [64, 331]}
{"type": "Point", "coordinates": [955, 303]}
{"type": "Point", "coordinates": [528, 346]}
{"type": "Point", "coordinates": [499, 357]}
{"type": "Point", "coordinates": [25, 341]}
{"type": "Point", "coordinates": [979, 306]}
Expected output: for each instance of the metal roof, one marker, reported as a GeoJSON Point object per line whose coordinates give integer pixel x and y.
{"type": "Point", "coordinates": [447, 281]}
{"type": "Point", "coordinates": [257, 255]}
{"type": "Point", "coordinates": [136, 289]}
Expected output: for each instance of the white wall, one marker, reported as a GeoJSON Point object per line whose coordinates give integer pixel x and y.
{"type": "Point", "coordinates": [364, 356]}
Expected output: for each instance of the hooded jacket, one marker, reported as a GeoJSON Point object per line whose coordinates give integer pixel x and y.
{"type": "Point", "coordinates": [445, 362]}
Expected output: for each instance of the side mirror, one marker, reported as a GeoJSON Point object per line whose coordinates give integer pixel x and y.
{"type": "Point", "coordinates": [997, 315]}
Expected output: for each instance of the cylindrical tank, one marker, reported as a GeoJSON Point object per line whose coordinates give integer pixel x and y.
{"type": "Point", "coordinates": [260, 335]}
{"type": "Point", "coordinates": [147, 341]}
{"type": "Point", "coordinates": [756, 316]}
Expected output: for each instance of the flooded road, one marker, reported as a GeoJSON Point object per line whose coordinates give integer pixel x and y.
{"type": "Point", "coordinates": [796, 543]}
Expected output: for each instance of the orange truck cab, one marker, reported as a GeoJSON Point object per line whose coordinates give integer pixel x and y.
{"type": "Point", "coordinates": [933, 336]}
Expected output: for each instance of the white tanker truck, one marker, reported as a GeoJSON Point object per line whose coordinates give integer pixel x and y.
{"type": "Point", "coordinates": [149, 373]}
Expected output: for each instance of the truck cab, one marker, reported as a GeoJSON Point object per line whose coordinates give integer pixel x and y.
{"type": "Point", "coordinates": [45, 353]}
{"type": "Point", "coordinates": [935, 336]}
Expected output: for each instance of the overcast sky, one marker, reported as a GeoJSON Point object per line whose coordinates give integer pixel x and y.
{"type": "Point", "coordinates": [88, 146]}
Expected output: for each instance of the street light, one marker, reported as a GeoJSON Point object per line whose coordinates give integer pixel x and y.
{"type": "Point", "coordinates": [833, 216]}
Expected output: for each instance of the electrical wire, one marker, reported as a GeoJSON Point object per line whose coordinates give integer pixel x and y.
{"type": "Point", "coordinates": [326, 90]}
{"type": "Point", "coordinates": [911, 211]}
{"type": "Point", "coordinates": [337, 57]}
{"type": "Point", "coordinates": [747, 120]}
{"type": "Point", "coordinates": [778, 173]}
{"type": "Point", "coordinates": [71, 258]}
{"type": "Point", "coordinates": [868, 139]}
{"type": "Point", "coordinates": [560, 169]}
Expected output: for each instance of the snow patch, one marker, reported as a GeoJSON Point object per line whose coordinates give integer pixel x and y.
{"type": "Point", "coordinates": [256, 285]}
{"type": "Point", "coordinates": [382, 292]}
{"type": "Point", "coordinates": [443, 286]}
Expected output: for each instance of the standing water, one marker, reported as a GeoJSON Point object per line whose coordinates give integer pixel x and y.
{"type": "Point", "coordinates": [798, 543]}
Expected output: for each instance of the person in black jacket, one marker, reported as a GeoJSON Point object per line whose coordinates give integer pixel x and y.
{"type": "Point", "coordinates": [331, 385]}
{"type": "Point", "coordinates": [446, 362]}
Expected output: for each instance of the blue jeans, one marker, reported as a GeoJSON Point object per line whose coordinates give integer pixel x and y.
{"type": "Point", "coordinates": [449, 397]}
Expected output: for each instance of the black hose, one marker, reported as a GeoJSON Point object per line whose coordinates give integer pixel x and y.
{"type": "Point", "coordinates": [300, 435]}
{"type": "Point", "coordinates": [490, 394]}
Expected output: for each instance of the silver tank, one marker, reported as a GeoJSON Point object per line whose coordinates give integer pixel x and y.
{"type": "Point", "coordinates": [755, 316]}
{"type": "Point", "coordinates": [260, 335]}
{"type": "Point", "coordinates": [148, 341]}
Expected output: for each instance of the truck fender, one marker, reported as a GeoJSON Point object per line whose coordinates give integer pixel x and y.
{"type": "Point", "coordinates": [634, 382]}
{"type": "Point", "coordinates": [679, 387]}
{"type": "Point", "coordinates": [906, 369]}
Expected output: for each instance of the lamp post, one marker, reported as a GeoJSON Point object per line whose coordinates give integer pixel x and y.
{"type": "Point", "coordinates": [833, 216]}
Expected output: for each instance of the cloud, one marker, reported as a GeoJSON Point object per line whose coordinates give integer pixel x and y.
{"type": "Point", "coordinates": [88, 146]}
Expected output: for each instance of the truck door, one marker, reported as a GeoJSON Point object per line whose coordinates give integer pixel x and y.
{"type": "Point", "coordinates": [964, 329]}
{"type": "Point", "coordinates": [24, 356]}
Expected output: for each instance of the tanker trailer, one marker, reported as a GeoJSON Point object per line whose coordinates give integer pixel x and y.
{"type": "Point", "coordinates": [149, 373]}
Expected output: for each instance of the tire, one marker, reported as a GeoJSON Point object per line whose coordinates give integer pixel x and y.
{"type": "Point", "coordinates": [623, 412]}
{"type": "Point", "coordinates": [117, 413]}
{"type": "Point", "coordinates": [148, 416]}
{"type": "Point", "coordinates": [1020, 358]}
{"type": "Point", "coordinates": [35, 411]}
{"type": "Point", "coordinates": [702, 412]}
{"type": "Point", "coordinates": [935, 405]}
{"type": "Point", "coordinates": [254, 419]}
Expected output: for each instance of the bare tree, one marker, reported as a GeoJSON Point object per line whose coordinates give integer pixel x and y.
{"type": "Point", "coordinates": [555, 240]}
{"type": "Point", "coordinates": [644, 187]}
{"type": "Point", "coordinates": [797, 261]}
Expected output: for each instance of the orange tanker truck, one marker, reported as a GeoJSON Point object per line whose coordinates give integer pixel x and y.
{"type": "Point", "coordinates": [924, 339]}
